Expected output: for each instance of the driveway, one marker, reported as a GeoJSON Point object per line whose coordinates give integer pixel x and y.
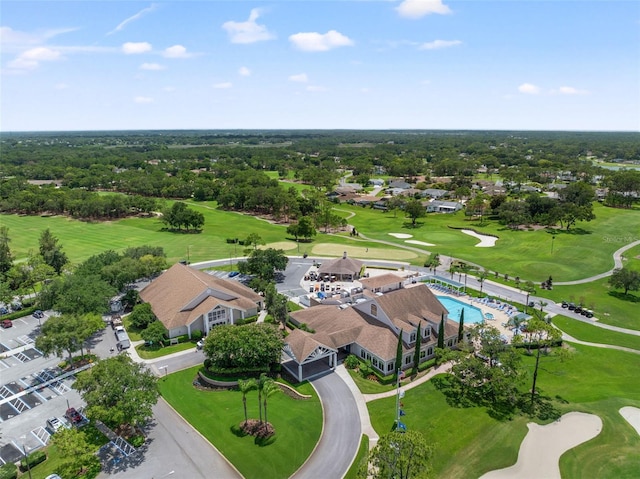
{"type": "Point", "coordinates": [340, 439]}
{"type": "Point", "coordinates": [174, 449]}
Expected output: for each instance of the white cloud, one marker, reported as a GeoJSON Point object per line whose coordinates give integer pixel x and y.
{"type": "Point", "coordinates": [244, 72]}
{"type": "Point", "coordinates": [249, 31]}
{"type": "Point", "coordinates": [143, 99]}
{"type": "Point", "coordinates": [223, 85]}
{"type": "Point", "coordinates": [300, 78]}
{"type": "Point", "coordinates": [135, 48]}
{"type": "Point", "coordinates": [152, 67]}
{"type": "Point", "coordinates": [438, 44]}
{"type": "Point", "coordinates": [419, 8]}
{"type": "Point", "coordinates": [316, 88]}
{"type": "Point", "coordinates": [176, 51]}
{"type": "Point", "coordinates": [15, 41]}
{"type": "Point", "coordinates": [529, 89]}
{"type": "Point", "coordinates": [133, 18]}
{"type": "Point", "coordinates": [569, 90]}
{"type": "Point", "coordinates": [318, 42]}
{"type": "Point", "coordinates": [30, 59]}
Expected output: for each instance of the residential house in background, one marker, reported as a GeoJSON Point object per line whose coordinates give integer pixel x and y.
{"type": "Point", "coordinates": [437, 206]}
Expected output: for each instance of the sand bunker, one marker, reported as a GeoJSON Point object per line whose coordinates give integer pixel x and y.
{"type": "Point", "coordinates": [632, 415]}
{"type": "Point", "coordinates": [486, 241]}
{"type": "Point", "coordinates": [542, 447]}
{"type": "Point", "coordinates": [401, 235]}
{"type": "Point", "coordinates": [421, 243]}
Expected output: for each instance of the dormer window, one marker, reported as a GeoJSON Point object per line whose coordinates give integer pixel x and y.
{"type": "Point", "coordinates": [412, 338]}
{"type": "Point", "coordinates": [374, 310]}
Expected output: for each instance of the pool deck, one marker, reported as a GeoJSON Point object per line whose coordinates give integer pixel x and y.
{"type": "Point", "coordinates": [499, 317]}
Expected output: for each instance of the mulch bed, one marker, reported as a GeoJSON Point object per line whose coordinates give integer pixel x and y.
{"type": "Point", "coordinates": [254, 427]}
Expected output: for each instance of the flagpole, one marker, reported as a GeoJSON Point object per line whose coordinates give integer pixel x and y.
{"type": "Point", "coordinates": [398, 399]}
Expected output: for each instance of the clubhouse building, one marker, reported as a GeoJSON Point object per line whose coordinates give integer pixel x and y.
{"type": "Point", "coordinates": [368, 326]}
{"type": "Point", "coordinates": [186, 299]}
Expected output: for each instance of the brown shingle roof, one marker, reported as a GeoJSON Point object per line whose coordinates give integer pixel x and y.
{"type": "Point", "coordinates": [170, 295]}
{"type": "Point", "coordinates": [381, 280]}
{"type": "Point", "coordinates": [405, 307]}
{"type": "Point", "coordinates": [342, 265]}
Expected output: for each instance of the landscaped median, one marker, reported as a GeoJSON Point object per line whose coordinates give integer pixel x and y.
{"type": "Point", "coordinates": [217, 415]}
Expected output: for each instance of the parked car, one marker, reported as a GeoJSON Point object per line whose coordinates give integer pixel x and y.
{"type": "Point", "coordinates": [54, 424]}
{"type": "Point", "coordinates": [6, 323]}
{"type": "Point", "coordinates": [74, 417]}
{"type": "Point", "coordinates": [572, 306]}
{"type": "Point", "coordinates": [200, 344]}
{"type": "Point", "coordinates": [565, 304]}
{"type": "Point", "coordinates": [4, 310]}
{"type": "Point", "coordinates": [53, 476]}
{"type": "Point", "coordinates": [16, 306]}
{"type": "Point", "coordinates": [233, 274]}
{"type": "Point", "coordinates": [38, 314]}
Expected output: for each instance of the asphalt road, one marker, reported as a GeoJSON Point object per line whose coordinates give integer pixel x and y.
{"type": "Point", "coordinates": [341, 434]}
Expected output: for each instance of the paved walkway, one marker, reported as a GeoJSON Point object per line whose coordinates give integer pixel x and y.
{"type": "Point", "coordinates": [442, 368]}
{"type": "Point", "coordinates": [617, 262]}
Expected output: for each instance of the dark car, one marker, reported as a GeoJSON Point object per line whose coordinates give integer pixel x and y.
{"type": "Point", "coordinates": [233, 274]}
{"type": "Point", "coordinates": [565, 304]}
{"type": "Point", "coordinates": [4, 310]}
{"type": "Point", "coordinates": [572, 306]}
{"type": "Point", "coordinates": [6, 324]}
{"type": "Point", "coordinates": [73, 416]}
{"type": "Point", "coordinates": [38, 314]}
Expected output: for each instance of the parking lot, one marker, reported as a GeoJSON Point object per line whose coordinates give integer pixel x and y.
{"type": "Point", "coordinates": [32, 389]}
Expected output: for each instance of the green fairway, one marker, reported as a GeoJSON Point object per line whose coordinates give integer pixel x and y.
{"type": "Point", "coordinates": [80, 239]}
{"type": "Point", "coordinates": [216, 415]}
{"type": "Point", "coordinates": [610, 306]}
{"type": "Point", "coordinates": [594, 334]}
{"type": "Point", "coordinates": [469, 443]}
{"type": "Point", "coordinates": [584, 251]}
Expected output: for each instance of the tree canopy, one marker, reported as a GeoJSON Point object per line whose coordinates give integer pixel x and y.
{"type": "Point", "coordinates": [263, 263]}
{"type": "Point", "coordinates": [249, 347]}
{"type": "Point", "coordinates": [67, 333]}
{"type": "Point", "coordinates": [625, 278]}
{"type": "Point", "coordinates": [118, 391]}
{"type": "Point", "coordinates": [399, 455]}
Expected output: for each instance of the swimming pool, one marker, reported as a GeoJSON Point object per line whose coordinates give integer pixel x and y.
{"type": "Point", "coordinates": [472, 315]}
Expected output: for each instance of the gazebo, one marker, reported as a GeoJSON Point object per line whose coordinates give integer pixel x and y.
{"type": "Point", "coordinates": [344, 269]}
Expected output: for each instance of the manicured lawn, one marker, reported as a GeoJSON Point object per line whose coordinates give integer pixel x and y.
{"type": "Point", "coordinates": [583, 251]}
{"type": "Point", "coordinates": [594, 334]}
{"type": "Point", "coordinates": [610, 306]}
{"type": "Point", "coordinates": [469, 443]}
{"type": "Point", "coordinates": [369, 387]}
{"type": "Point", "coordinates": [80, 240]}
{"type": "Point", "coordinates": [363, 451]}
{"type": "Point", "coordinates": [146, 352]}
{"type": "Point", "coordinates": [217, 414]}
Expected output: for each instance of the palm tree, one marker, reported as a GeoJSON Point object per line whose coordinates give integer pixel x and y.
{"type": "Point", "coordinates": [246, 385]}
{"type": "Point", "coordinates": [268, 389]}
{"type": "Point", "coordinates": [260, 387]}
{"type": "Point", "coordinates": [482, 275]}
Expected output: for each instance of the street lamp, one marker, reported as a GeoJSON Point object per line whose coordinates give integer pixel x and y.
{"type": "Point", "coordinates": [23, 450]}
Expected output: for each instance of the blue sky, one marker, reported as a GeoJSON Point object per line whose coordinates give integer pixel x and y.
{"type": "Point", "coordinates": [423, 64]}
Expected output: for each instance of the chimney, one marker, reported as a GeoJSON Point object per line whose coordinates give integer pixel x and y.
{"type": "Point", "coordinates": [344, 255]}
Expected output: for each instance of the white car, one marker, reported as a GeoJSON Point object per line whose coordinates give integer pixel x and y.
{"type": "Point", "coordinates": [54, 424]}
{"type": "Point", "coordinates": [200, 344]}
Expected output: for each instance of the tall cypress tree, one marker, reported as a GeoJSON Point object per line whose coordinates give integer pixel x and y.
{"type": "Point", "coordinates": [461, 326]}
{"type": "Point", "coordinates": [441, 333]}
{"type": "Point", "coordinates": [416, 354]}
{"type": "Point", "coordinates": [399, 353]}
